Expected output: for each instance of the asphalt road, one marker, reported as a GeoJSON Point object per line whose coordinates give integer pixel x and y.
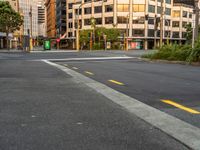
{"type": "Point", "coordinates": [150, 83]}
{"type": "Point", "coordinates": [43, 108]}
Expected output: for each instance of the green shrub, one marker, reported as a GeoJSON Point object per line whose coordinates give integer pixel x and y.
{"type": "Point", "coordinates": [172, 52]}
{"type": "Point", "coordinates": [96, 46]}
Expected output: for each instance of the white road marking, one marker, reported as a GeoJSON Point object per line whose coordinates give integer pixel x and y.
{"type": "Point", "coordinates": [90, 58]}
{"type": "Point", "coordinates": [180, 130]}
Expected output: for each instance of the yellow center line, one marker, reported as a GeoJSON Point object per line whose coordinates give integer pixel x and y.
{"type": "Point", "coordinates": [75, 68]}
{"type": "Point", "coordinates": [170, 102]}
{"type": "Point", "coordinates": [90, 73]}
{"type": "Point", "coordinates": [116, 82]}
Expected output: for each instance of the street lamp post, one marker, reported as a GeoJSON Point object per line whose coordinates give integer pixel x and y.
{"type": "Point", "coordinates": [196, 10]}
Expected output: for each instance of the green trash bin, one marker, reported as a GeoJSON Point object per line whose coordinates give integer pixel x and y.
{"type": "Point", "coordinates": [47, 45]}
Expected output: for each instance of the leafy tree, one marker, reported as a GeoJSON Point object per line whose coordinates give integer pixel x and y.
{"type": "Point", "coordinates": [84, 37]}
{"type": "Point", "coordinates": [189, 32]}
{"type": "Point", "coordinates": [112, 34]}
{"type": "Point", "coordinates": [10, 21]}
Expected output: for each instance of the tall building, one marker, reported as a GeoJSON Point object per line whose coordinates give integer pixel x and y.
{"type": "Point", "coordinates": [41, 18]}
{"type": "Point", "coordinates": [50, 18]}
{"type": "Point", "coordinates": [137, 19]}
{"type": "Point", "coordinates": [60, 17]}
{"type": "Point", "coordinates": [27, 7]}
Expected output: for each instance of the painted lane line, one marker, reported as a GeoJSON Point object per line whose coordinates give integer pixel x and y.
{"type": "Point", "coordinates": [178, 129]}
{"type": "Point", "coordinates": [75, 68]}
{"type": "Point", "coordinates": [90, 73]}
{"type": "Point", "coordinates": [89, 58]}
{"type": "Point", "coordinates": [170, 102]}
{"type": "Point", "coordinates": [116, 82]}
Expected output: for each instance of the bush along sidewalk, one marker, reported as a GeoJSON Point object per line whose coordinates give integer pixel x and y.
{"type": "Point", "coordinates": [175, 52]}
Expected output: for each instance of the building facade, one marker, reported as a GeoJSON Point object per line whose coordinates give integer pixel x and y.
{"type": "Point", "coordinates": [41, 18]}
{"type": "Point", "coordinates": [50, 18]}
{"type": "Point", "coordinates": [137, 19]}
{"type": "Point", "coordinates": [60, 17]}
{"type": "Point", "coordinates": [30, 21]}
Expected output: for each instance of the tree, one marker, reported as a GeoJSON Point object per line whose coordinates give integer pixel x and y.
{"type": "Point", "coordinates": [10, 21]}
{"type": "Point", "coordinates": [189, 32]}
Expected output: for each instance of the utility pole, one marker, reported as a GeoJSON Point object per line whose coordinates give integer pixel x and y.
{"type": "Point", "coordinates": [161, 23]}
{"type": "Point", "coordinates": [196, 10]}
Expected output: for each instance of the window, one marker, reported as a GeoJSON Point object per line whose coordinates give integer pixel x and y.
{"type": "Point", "coordinates": [167, 22]}
{"type": "Point", "coordinates": [175, 24]}
{"type": "Point", "coordinates": [121, 20]}
{"type": "Point", "coordinates": [98, 20]}
{"type": "Point", "coordinates": [138, 8]}
{"type": "Point", "coordinates": [87, 10]}
{"type": "Point", "coordinates": [190, 15]}
{"type": "Point", "coordinates": [168, 11]}
{"type": "Point", "coordinates": [152, 8]}
{"type": "Point", "coordinates": [69, 34]}
{"type": "Point", "coordinates": [167, 34]}
{"type": "Point", "coordinates": [108, 8]}
{"type": "Point", "coordinates": [98, 9]}
{"type": "Point", "coordinates": [176, 13]}
{"type": "Point", "coordinates": [184, 24]}
{"type": "Point", "coordinates": [138, 32]}
{"type": "Point", "coordinates": [76, 11]}
{"type": "Point", "coordinates": [168, 1]}
{"type": "Point", "coordinates": [123, 8]}
{"type": "Point", "coordinates": [150, 33]}
{"type": "Point", "coordinates": [70, 15]}
{"type": "Point", "coordinates": [70, 25]}
{"type": "Point", "coordinates": [150, 21]}
{"type": "Point", "coordinates": [87, 22]}
{"type": "Point", "coordinates": [175, 35]}
{"type": "Point", "coordinates": [108, 20]}
{"type": "Point", "coordinates": [159, 10]}
{"type": "Point", "coordinates": [70, 5]}
{"type": "Point", "coordinates": [138, 20]}
{"type": "Point", "coordinates": [185, 14]}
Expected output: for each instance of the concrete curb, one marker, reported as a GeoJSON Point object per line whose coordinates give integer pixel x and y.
{"type": "Point", "coordinates": [185, 133]}
{"type": "Point", "coordinates": [170, 62]}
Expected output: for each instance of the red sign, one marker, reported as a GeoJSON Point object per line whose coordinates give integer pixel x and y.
{"type": "Point", "coordinates": [57, 40]}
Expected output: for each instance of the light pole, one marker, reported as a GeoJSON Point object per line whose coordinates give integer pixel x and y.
{"type": "Point", "coordinates": [161, 23]}
{"type": "Point", "coordinates": [196, 9]}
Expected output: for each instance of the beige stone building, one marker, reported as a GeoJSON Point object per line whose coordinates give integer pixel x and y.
{"type": "Point", "coordinates": [135, 18]}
